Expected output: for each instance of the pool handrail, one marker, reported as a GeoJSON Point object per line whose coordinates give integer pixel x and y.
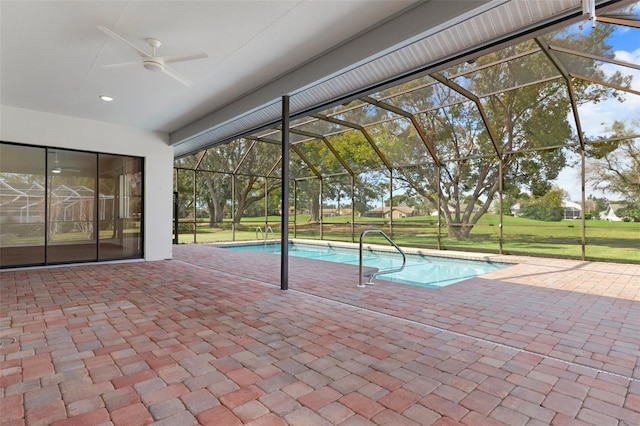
{"type": "Point", "coordinates": [387, 271]}
{"type": "Point", "coordinates": [265, 234]}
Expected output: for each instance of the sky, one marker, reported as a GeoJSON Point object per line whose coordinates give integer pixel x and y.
{"type": "Point", "coordinates": [626, 44]}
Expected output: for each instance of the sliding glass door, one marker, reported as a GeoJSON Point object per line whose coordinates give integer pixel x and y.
{"type": "Point", "coordinates": [120, 207]}
{"type": "Point", "coordinates": [71, 202]}
{"type": "Point", "coordinates": [64, 206]}
{"type": "Point", "coordinates": [23, 177]}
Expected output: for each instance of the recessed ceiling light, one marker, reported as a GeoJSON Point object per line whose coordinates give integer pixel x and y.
{"type": "Point", "coordinates": [106, 98]}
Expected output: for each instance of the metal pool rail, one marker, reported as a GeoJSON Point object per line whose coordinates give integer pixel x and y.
{"type": "Point", "coordinates": [387, 271]}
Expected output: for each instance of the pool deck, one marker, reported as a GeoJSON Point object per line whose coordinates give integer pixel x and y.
{"type": "Point", "coordinates": [209, 338]}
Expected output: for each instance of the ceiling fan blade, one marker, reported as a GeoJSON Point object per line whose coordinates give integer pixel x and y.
{"type": "Point", "coordinates": [123, 64]}
{"type": "Point", "coordinates": [176, 76]}
{"type": "Point", "coordinates": [115, 36]}
{"type": "Point", "coordinates": [185, 57]}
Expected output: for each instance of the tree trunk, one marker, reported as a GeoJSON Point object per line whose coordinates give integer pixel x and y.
{"type": "Point", "coordinates": [216, 213]}
{"type": "Point", "coordinates": [215, 202]}
{"type": "Point", "coordinates": [315, 208]}
{"type": "Point", "coordinates": [459, 231]}
{"type": "Point", "coordinates": [239, 210]}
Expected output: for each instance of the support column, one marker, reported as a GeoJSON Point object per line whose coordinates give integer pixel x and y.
{"type": "Point", "coordinates": [501, 194]}
{"type": "Point", "coordinates": [284, 242]}
{"type": "Point", "coordinates": [353, 209]}
{"type": "Point", "coordinates": [390, 203]}
{"type": "Point", "coordinates": [321, 215]}
{"type": "Point", "coordinates": [440, 206]}
{"type": "Point", "coordinates": [266, 204]}
{"type": "Point", "coordinates": [583, 235]}
{"type": "Point", "coordinates": [176, 212]}
{"type": "Point", "coordinates": [295, 209]}
{"type": "Point", "coordinates": [195, 209]}
{"type": "Point", "coordinates": [233, 207]}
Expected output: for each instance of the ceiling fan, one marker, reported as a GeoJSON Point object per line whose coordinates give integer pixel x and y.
{"type": "Point", "coordinates": [153, 62]}
{"type": "Point", "coordinates": [56, 169]}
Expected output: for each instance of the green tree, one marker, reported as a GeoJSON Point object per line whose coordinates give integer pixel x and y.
{"type": "Point", "coordinates": [614, 163]}
{"type": "Point", "coordinates": [529, 126]}
{"type": "Point", "coordinates": [252, 162]}
{"type": "Point", "coordinates": [183, 185]}
{"type": "Point", "coordinates": [358, 153]}
{"type": "Point", "coordinates": [547, 207]}
{"type": "Point", "coordinates": [594, 205]}
{"type": "Point", "coordinates": [213, 184]}
{"type": "Point", "coordinates": [311, 157]}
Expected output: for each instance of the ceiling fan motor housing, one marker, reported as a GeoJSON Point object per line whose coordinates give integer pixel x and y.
{"type": "Point", "coordinates": [153, 64]}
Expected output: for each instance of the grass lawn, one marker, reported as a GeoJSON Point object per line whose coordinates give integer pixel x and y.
{"type": "Point", "coordinates": [614, 241]}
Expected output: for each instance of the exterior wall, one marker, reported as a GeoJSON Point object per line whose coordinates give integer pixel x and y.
{"type": "Point", "coordinates": [45, 129]}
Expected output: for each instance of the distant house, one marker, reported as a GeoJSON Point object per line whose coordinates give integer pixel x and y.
{"type": "Point", "coordinates": [330, 212]}
{"type": "Point", "coordinates": [346, 212]}
{"type": "Point", "coordinates": [402, 210]}
{"type": "Point", "coordinates": [396, 212]}
{"type": "Point", "coordinates": [476, 207]}
{"type": "Point", "coordinates": [336, 212]}
{"type": "Point", "coordinates": [571, 210]}
{"type": "Point", "coordinates": [452, 209]}
{"type": "Point", "coordinates": [609, 214]}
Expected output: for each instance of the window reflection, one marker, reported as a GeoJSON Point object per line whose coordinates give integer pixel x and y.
{"type": "Point", "coordinates": [120, 207]}
{"type": "Point", "coordinates": [22, 205]}
{"type": "Point", "coordinates": [55, 204]}
{"type": "Point", "coordinates": [71, 195]}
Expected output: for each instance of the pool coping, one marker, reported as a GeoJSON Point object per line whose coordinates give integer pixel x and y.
{"type": "Point", "coordinates": [450, 254]}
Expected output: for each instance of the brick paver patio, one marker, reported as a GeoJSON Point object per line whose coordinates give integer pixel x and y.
{"type": "Point", "coordinates": [209, 338]}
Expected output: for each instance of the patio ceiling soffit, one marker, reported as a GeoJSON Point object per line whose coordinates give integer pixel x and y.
{"type": "Point", "coordinates": [451, 35]}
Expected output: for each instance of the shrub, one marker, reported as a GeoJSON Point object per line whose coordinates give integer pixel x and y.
{"type": "Point", "coordinates": [185, 228]}
{"type": "Point", "coordinates": [547, 207]}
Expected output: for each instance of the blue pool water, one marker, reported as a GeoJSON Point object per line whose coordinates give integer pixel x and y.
{"type": "Point", "coordinates": [424, 271]}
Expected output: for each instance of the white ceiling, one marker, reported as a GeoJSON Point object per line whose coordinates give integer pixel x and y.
{"type": "Point", "coordinates": [52, 55]}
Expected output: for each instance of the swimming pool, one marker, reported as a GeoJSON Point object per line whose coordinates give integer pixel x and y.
{"type": "Point", "coordinates": [420, 270]}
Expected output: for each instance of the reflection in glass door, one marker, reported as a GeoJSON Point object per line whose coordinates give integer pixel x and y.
{"type": "Point", "coordinates": [22, 205]}
{"type": "Point", "coordinates": [65, 206]}
{"type": "Point", "coordinates": [71, 204]}
{"type": "Point", "coordinates": [120, 207]}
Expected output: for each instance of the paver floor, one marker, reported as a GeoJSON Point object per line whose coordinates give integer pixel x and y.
{"type": "Point", "coordinates": [209, 338]}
